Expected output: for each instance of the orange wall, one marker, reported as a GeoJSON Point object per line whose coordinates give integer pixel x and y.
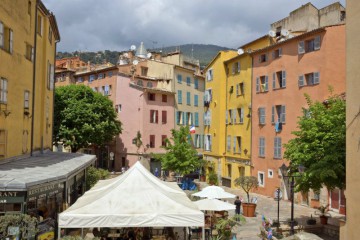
{"type": "Point", "coordinates": [329, 61]}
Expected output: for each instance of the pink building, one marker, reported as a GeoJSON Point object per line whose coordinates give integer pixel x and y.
{"type": "Point", "coordinates": [144, 108]}
{"type": "Point", "coordinates": [282, 73]}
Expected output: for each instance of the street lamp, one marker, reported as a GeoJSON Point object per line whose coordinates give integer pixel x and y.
{"type": "Point", "coordinates": [284, 170]}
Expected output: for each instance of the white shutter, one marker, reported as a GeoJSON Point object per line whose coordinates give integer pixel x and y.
{"type": "Point", "coordinates": [316, 77]}
{"type": "Point", "coordinates": [241, 115]}
{"type": "Point", "coordinates": [283, 113]}
{"type": "Point", "coordinates": [301, 80]}
{"type": "Point", "coordinates": [273, 114]}
{"type": "Point", "coordinates": [274, 81]}
{"type": "Point", "coordinates": [283, 75]}
{"type": "Point", "coordinates": [257, 85]}
{"type": "Point", "coordinates": [266, 84]}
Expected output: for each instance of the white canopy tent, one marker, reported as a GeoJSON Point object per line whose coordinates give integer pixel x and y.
{"type": "Point", "coordinates": [134, 199]}
{"type": "Point", "coordinates": [213, 192]}
{"type": "Point", "coordinates": [214, 205]}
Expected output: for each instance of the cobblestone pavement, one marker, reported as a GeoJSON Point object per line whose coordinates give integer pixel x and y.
{"type": "Point", "coordinates": [268, 207]}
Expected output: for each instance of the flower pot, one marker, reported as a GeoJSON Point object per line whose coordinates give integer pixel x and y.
{"type": "Point", "coordinates": [323, 220]}
{"type": "Point", "coordinates": [249, 209]}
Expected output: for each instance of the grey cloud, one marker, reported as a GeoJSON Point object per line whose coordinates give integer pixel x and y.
{"type": "Point", "coordinates": [116, 24]}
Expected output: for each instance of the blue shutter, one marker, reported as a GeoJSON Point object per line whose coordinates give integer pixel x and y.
{"type": "Point", "coordinates": [196, 119]}
{"type": "Point", "coordinates": [196, 83]}
{"type": "Point", "coordinates": [183, 118]}
{"type": "Point", "coordinates": [179, 96]}
{"type": "Point", "coordinates": [179, 78]}
{"type": "Point", "coordinates": [283, 79]}
{"type": "Point", "coordinates": [188, 98]}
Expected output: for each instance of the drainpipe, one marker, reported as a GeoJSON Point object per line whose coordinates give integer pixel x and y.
{"type": "Point", "coordinates": [251, 112]}
{"type": "Point", "coordinates": [53, 111]}
{"type": "Point", "coordinates": [226, 109]}
{"type": "Point", "coordinates": [34, 80]}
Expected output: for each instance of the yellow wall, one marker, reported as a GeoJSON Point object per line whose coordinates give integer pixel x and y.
{"type": "Point", "coordinates": [18, 71]}
{"type": "Point", "coordinates": [217, 107]}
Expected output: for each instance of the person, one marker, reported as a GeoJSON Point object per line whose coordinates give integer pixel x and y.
{"type": "Point", "coordinates": [238, 205]}
{"type": "Point", "coordinates": [156, 172]}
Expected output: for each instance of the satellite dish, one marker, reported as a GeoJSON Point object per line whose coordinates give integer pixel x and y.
{"type": "Point", "coordinates": [272, 33]}
{"type": "Point", "coordinates": [284, 32]}
{"type": "Point", "coordinates": [148, 55]}
{"type": "Point", "coordinates": [135, 62]}
{"type": "Point", "coordinates": [133, 47]}
{"type": "Point", "coordinates": [126, 55]}
{"type": "Point", "coordinates": [240, 51]}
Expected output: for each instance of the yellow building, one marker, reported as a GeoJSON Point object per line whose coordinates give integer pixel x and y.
{"type": "Point", "coordinates": [28, 37]}
{"type": "Point", "coordinates": [214, 112]}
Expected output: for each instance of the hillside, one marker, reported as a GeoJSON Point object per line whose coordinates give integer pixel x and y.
{"type": "Point", "coordinates": [205, 53]}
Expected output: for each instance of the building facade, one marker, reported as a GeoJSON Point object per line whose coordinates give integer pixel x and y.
{"type": "Point", "coordinates": [349, 230]}
{"type": "Point", "coordinates": [282, 73]}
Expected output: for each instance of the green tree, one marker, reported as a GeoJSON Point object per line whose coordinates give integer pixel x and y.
{"type": "Point", "coordinates": [180, 156]}
{"type": "Point", "coordinates": [83, 117]}
{"type": "Point", "coordinates": [319, 145]}
{"type": "Point", "coordinates": [93, 175]}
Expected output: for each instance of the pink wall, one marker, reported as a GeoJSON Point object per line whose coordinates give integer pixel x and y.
{"type": "Point", "coordinates": [135, 116]}
{"type": "Point", "coordinates": [329, 61]}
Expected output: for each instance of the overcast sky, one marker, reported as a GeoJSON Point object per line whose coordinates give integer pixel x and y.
{"type": "Point", "coordinates": [92, 25]}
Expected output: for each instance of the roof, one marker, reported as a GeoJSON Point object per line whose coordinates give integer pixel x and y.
{"type": "Point", "coordinates": [318, 30]}
{"type": "Point", "coordinates": [147, 89]}
{"type": "Point", "coordinates": [52, 20]}
{"type": "Point", "coordinates": [19, 174]}
{"type": "Point", "coordinates": [249, 43]}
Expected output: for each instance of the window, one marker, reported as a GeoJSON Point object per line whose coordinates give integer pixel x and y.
{"type": "Point", "coordinates": [144, 71]}
{"type": "Point", "coordinates": [270, 173]}
{"type": "Point", "coordinates": [140, 83]}
{"type": "Point", "coordinates": [262, 84]}
{"type": "Point", "coordinates": [197, 140]}
{"type": "Point", "coordinates": [261, 179]}
{"type": "Point", "coordinates": [188, 118]}
{"type": "Point", "coordinates": [263, 58]}
{"type": "Point", "coordinates": [240, 89]}
{"type": "Point", "coordinates": [188, 98]}
{"type": "Point", "coordinates": [29, 54]}
{"type": "Point", "coordinates": [240, 112]}
{"type": "Point", "coordinates": [3, 90]}
{"type": "Point", "coordinates": [26, 99]}
{"type": "Point", "coordinates": [261, 112]}
{"type": "Point", "coordinates": [2, 143]}
{"type": "Point", "coordinates": [309, 79]}
{"type": "Point", "coordinates": [207, 97]}
{"type": "Point", "coordinates": [188, 81]}
{"type": "Point", "coordinates": [180, 118]}
{"type": "Point", "coordinates": [278, 114]}
{"type": "Point", "coordinates": [110, 74]}
{"type": "Point", "coordinates": [50, 34]}
{"type": "Point", "coordinates": [279, 80]}
{"type": "Point", "coordinates": [118, 108]}
{"type": "Point", "coordinates": [179, 78]}
{"type": "Point", "coordinates": [80, 79]}
{"type": "Point", "coordinates": [309, 45]}
{"type": "Point", "coordinates": [277, 53]}
{"type": "Point", "coordinates": [29, 7]}
{"type": "Point", "coordinates": [50, 76]}
{"type": "Point", "coordinates": [261, 147]}
{"type": "Point", "coordinates": [154, 114]}
{"type": "Point", "coordinates": [209, 75]}
{"type": "Point", "coordinates": [91, 78]}
{"type": "Point", "coordinates": [235, 67]}
{"type": "Point", "coordinates": [196, 83]}
{"type": "Point", "coordinates": [149, 84]}
{"type": "Point", "coordinates": [277, 147]}
{"type": "Point", "coordinates": [107, 90]}
{"type": "Point", "coordinates": [39, 25]}
{"type": "Point", "coordinates": [163, 140]}
{"type": "Point", "coordinates": [196, 100]}
{"type": "Point", "coordinates": [207, 118]}
{"type": "Point", "coordinates": [196, 119]}
{"type": "Point", "coordinates": [164, 117]}
{"type": "Point", "coordinates": [241, 171]}
{"type": "Point", "coordinates": [233, 116]}
{"type": "Point", "coordinates": [237, 144]}
{"type": "Point", "coordinates": [101, 75]}
{"type": "Point", "coordinates": [207, 142]}
{"type": "Point", "coordinates": [152, 141]}
{"type": "Point", "coordinates": [229, 170]}
{"type": "Point", "coordinates": [164, 98]}
{"type": "Point", "coordinates": [179, 96]}
{"type": "Point", "coordinates": [6, 38]}
{"type": "Point", "coordinates": [228, 143]}
{"type": "Point", "coordinates": [151, 96]}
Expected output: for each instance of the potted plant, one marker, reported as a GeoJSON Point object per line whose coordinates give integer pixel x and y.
{"type": "Point", "coordinates": [224, 226]}
{"type": "Point", "coordinates": [212, 178]}
{"type": "Point", "coordinates": [247, 183]}
{"type": "Point", "coordinates": [323, 213]}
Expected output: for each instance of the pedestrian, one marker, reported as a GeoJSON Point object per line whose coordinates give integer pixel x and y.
{"type": "Point", "coordinates": [156, 172]}
{"type": "Point", "coordinates": [238, 205]}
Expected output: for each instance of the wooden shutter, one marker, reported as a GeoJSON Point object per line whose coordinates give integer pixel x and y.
{"type": "Point", "coordinates": [301, 80]}
{"type": "Point", "coordinates": [156, 116]}
{"type": "Point", "coordinates": [164, 117]}
{"type": "Point", "coordinates": [273, 114]}
{"type": "Point", "coordinates": [316, 77]}
{"type": "Point", "coordinates": [317, 41]}
{"type": "Point", "coordinates": [283, 113]}
{"type": "Point", "coordinates": [266, 84]}
{"type": "Point", "coordinates": [283, 75]}
{"type": "Point", "coordinates": [274, 81]}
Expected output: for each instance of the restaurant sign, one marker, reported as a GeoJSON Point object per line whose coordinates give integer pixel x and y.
{"type": "Point", "coordinates": [48, 189]}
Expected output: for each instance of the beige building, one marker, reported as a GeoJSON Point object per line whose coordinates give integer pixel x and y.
{"type": "Point", "coordinates": [349, 230]}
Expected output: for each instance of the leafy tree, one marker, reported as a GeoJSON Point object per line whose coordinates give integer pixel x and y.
{"type": "Point", "coordinates": [83, 117]}
{"type": "Point", "coordinates": [180, 157]}
{"type": "Point", "coordinates": [26, 223]}
{"type": "Point", "coordinates": [247, 183]}
{"type": "Point", "coordinates": [319, 145]}
{"type": "Point", "coordinates": [93, 175]}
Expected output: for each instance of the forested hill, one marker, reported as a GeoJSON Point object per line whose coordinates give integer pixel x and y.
{"type": "Point", "coordinates": [205, 53]}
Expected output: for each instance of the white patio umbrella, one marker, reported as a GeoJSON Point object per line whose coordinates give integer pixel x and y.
{"type": "Point", "coordinates": [214, 205]}
{"type": "Point", "coordinates": [213, 192]}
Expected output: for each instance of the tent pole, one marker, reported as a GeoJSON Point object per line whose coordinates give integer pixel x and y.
{"type": "Point", "coordinates": [82, 233]}
{"type": "Point", "coordinates": [203, 232]}
{"type": "Point", "coordinates": [59, 232]}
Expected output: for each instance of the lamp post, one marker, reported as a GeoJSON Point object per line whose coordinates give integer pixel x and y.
{"type": "Point", "coordinates": [283, 170]}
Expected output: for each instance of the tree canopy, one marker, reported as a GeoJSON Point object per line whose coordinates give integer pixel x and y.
{"type": "Point", "coordinates": [319, 145]}
{"type": "Point", "coordinates": [180, 156]}
{"type": "Point", "coordinates": [83, 117]}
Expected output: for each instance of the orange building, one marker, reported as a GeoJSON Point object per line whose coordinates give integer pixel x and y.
{"type": "Point", "coordinates": [282, 73]}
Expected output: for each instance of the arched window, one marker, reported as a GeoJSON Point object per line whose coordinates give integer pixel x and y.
{"type": "Point", "coordinates": [140, 82]}
{"type": "Point", "coordinates": [149, 84]}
